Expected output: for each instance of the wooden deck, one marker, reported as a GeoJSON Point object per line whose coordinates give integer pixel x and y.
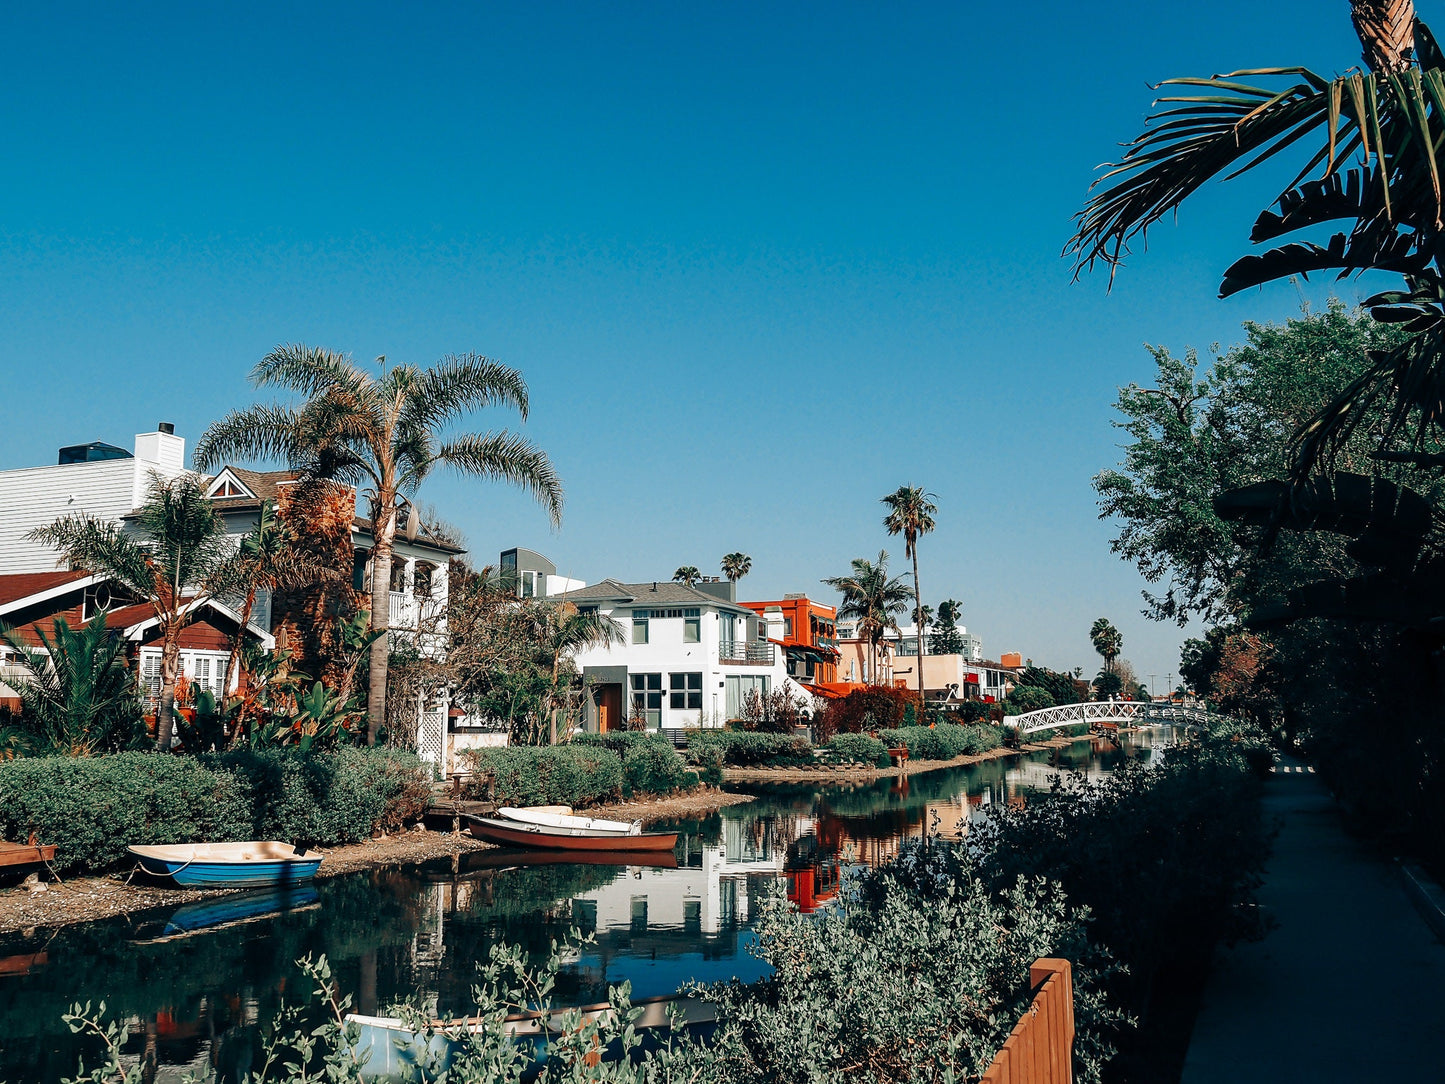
{"type": "Point", "coordinates": [25, 854]}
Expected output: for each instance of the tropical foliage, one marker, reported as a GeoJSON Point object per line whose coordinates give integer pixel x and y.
{"type": "Point", "coordinates": [874, 600]}
{"type": "Point", "coordinates": [687, 574]}
{"type": "Point", "coordinates": [1367, 146]}
{"type": "Point", "coordinates": [736, 565]}
{"type": "Point", "coordinates": [80, 698]}
{"type": "Point", "coordinates": [382, 430]}
{"type": "Point", "coordinates": [910, 513]}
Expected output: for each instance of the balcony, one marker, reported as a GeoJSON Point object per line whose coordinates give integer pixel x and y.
{"type": "Point", "coordinates": [746, 652]}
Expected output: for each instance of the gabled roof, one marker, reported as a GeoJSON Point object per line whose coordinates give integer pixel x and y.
{"type": "Point", "coordinates": [653, 593]}
{"type": "Point", "coordinates": [261, 485]}
{"type": "Point", "coordinates": [22, 586]}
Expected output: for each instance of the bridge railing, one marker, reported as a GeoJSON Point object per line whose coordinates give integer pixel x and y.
{"type": "Point", "coordinates": [1105, 711]}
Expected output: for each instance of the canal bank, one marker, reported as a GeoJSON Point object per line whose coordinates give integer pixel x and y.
{"type": "Point", "coordinates": [1346, 987]}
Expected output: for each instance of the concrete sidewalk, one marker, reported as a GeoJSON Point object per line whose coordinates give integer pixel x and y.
{"type": "Point", "coordinates": [1349, 986]}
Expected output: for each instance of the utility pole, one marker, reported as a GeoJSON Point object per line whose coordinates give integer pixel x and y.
{"type": "Point", "coordinates": [1151, 685]}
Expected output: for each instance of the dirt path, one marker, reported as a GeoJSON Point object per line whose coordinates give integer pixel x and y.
{"type": "Point", "coordinates": [86, 899]}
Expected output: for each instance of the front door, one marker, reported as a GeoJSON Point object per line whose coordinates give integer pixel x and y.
{"type": "Point", "coordinates": [609, 708]}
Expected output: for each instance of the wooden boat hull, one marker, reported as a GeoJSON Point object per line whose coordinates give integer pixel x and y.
{"type": "Point", "coordinates": [25, 854]}
{"type": "Point", "coordinates": [260, 864]}
{"type": "Point", "coordinates": [532, 837]}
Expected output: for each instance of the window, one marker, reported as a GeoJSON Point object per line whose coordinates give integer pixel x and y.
{"type": "Point", "coordinates": [728, 631]}
{"type": "Point", "coordinates": [421, 581]}
{"type": "Point", "coordinates": [398, 576]}
{"type": "Point", "coordinates": [692, 916]}
{"type": "Point", "coordinates": [686, 691]}
{"type": "Point", "coordinates": [529, 585]}
{"type": "Point", "coordinates": [647, 697]}
{"type": "Point", "coordinates": [692, 629]}
{"type": "Point", "coordinates": [104, 596]}
{"type": "Point", "coordinates": [639, 626]}
{"type": "Point", "coordinates": [639, 914]}
{"type": "Point", "coordinates": [787, 626]}
{"type": "Point", "coordinates": [737, 688]}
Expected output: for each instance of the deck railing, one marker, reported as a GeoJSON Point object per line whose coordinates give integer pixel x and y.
{"type": "Point", "coordinates": [746, 652]}
{"type": "Point", "coordinates": [1040, 1050]}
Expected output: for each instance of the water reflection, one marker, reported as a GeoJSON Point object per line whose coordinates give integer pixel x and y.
{"type": "Point", "coordinates": [194, 983]}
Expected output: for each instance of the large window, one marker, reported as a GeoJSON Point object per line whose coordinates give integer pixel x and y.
{"type": "Point", "coordinates": [691, 627]}
{"type": "Point", "coordinates": [647, 697]}
{"type": "Point", "coordinates": [639, 626]}
{"type": "Point", "coordinates": [686, 691]}
{"type": "Point", "coordinates": [737, 688]}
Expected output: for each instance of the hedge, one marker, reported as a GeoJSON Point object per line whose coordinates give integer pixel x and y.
{"type": "Point", "coordinates": [575, 774]}
{"type": "Point", "coordinates": [650, 764]}
{"type": "Point", "coordinates": [857, 749]}
{"type": "Point", "coordinates": [750, 749]}
{"type": "Point", "coordinates": [91, 808]}
{"type": "Point", "coordinates": [944, 741]}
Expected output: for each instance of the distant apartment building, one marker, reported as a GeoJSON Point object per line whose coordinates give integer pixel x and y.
{"type": "Point", "coordinates": [807, 631]}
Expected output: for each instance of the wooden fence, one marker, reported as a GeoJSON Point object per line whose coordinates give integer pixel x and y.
{"type": "Point", "coordinates": [1040, 1050]}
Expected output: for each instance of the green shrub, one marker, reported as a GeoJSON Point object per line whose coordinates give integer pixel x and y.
{"type": "Point", "coordinates": [944, 741]}
{"type": "Point", "coordinates": [650, 762]}
{"type": "Point", "coordinates": [91, 808]}
{"type": "Point", "coordinates": [573, 774]}
{"type": "Point", "coordinates": [747, 749]}
{"type": "Point", "coordinates": [709, 762]}
{"type": "Point", "coordinates": [857, 749]}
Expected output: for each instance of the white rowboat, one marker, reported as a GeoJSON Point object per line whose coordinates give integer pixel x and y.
{"type": "Point", "coordinates": [570, 824]}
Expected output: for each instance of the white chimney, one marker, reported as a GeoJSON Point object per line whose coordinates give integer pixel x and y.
{"type": "Point", "coordinates": [162, 450]}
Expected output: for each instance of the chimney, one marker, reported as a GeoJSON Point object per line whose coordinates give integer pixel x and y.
{"type": "Point", "coordinates": [161, 450]}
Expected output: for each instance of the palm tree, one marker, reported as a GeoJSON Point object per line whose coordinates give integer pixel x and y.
{"type": "Point", "coordinates": [1372, 164]}
{"type": "Point", "coordinates": [736, 565]}
{"type": "Point", "coordinates": [81, 697]}
{"type": "Point", "coordinates": [874, 600]}
{"type": "Point", "coordinates": [382, 430]}
{"type": "Point", "coordinates": [177, 562]}
{"type": "Point", "coordinates": [687, 574]}
{"type": "Point", "coordinates": [268, 559]}
{"type": "Point", "coordinates": [910, 513]}
{"type": "Point", "coordinates": [1107, 640]}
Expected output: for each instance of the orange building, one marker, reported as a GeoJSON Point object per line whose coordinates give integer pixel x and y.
{"type": "Point", "coordinates": [809, 637]}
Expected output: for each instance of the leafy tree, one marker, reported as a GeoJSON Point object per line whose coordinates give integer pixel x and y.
{"type": "Point", "coordinates": [176, 559]}
{"type": "Point", "coordinates": [687, 574]}
{"type": "Point", "coordinates": [875, 600]}
{"type": "Point", "coordinates": [1026, 698]}
{"type": "Point", "coordinates": [80, 698]}
{"type": "Point", "coordinates": [566, 630]}
{"type": "Point", "coordinates": [910, 513]}
{"type": "Point", "coordinates": [1193, 436]}
{"type": "Point", "coordinates": [736, 565]}
{"type": "Point", "coordinates": [1061, 688]}
{"type": "Point", "coordinates": [1107, 685]}
{"type": "Point", "coordinates": [944, 637]}
{"type": "Point", "coordinates": [385, 431]}
{"type": "Point", "coordinates": [1370, 164]}
{"type": "Point", "coordinates": [1107, 641]}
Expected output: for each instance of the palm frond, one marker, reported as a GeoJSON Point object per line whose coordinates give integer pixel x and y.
{"type": "Point", "coordinates": [309, 370]}
{"type": "Point", "coordinates": [459, 384]}
{"type": "Point", "coordinates": [100, 547]}
{"type": "Point", "coordinates": [504, 457]}
{"type": "Point", "coordinates": [265, 432]}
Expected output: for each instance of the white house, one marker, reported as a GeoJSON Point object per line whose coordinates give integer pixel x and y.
{"type": "Point", "coordinates": [691, 655]}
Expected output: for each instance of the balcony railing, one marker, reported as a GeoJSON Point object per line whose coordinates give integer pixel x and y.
{"type": "Point", "coordinates": [746, 652]}
{"type": "Point", "coordinates": [403, 611]}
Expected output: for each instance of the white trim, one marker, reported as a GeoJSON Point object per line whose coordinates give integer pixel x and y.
{"type": "Point", "coordinates": [51, 592]}
{"type": "Point", "coordinates": [136, 631]}
{"type": "Point", "coordinates": [226, 475]}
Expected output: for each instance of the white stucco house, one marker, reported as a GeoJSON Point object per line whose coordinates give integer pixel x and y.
{"type": "Point", "coordinates": [691, 655]}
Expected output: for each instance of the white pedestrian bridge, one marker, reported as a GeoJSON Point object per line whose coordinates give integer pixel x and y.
{"type": "Point", "coordinates": [1094, 712]}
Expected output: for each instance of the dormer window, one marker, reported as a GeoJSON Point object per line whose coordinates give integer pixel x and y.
{"type": "Point", "coordinates": [228, 489]}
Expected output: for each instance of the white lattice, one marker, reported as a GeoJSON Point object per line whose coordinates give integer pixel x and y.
{"type": "Point", "coordinates": [1105, 711]}
{"type": "Point", "coordinates": [431, 738]}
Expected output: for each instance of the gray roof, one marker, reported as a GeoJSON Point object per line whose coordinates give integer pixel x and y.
{"type": "Point", "coordinates": [658, 593]}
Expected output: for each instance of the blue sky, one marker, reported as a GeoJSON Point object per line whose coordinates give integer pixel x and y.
{"type": "Point", "coordinates": [759, 263]}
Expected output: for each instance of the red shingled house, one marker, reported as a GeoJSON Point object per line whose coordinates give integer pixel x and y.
{"type": "Point", "coordinates": [31, 599]}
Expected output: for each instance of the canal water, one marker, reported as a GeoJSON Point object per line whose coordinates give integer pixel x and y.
{"type": "Point", "coordinates": [192, 983]}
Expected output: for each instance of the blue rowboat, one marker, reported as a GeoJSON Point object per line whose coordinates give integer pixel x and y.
{"type": "Point", "coordinates": [254, 864]}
